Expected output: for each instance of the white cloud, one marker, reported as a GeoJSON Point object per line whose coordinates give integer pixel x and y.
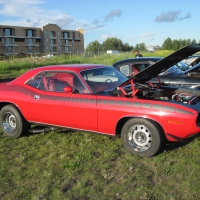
{"type": "Point", "coordinates": [171, 16]}
{"type": "Point", "coordinates": [104, 37]}
{"type": "Point", "coordinates": [112, 14]}
{"type": "Point", "coordinates": [34, 13]}
{"type": "Point", "coordinates": [148, 35]}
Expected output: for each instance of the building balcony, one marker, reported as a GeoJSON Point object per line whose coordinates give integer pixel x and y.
{"type": "Point", "coordinates": [53, 45]}
{"type": "Point", "coordinates": [17, 36]}
{"type": "Point", "coordinates": [9, 45]}
{"type": "Point", "coordinates": [32, 45]}
{"type": "Point", "coordinates": [66, 45]}
{"type": "Point", "coordinates": [77, 39]}
{"type": "Point", "coordinates": [34, 37]}
{"type": "Point", "coordinates": [64, 38]}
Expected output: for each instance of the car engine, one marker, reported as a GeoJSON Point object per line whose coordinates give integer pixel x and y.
{"type": "Point", "coordinates": [183, 95]}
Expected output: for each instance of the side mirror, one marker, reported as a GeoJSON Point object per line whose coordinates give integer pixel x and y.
{"type": "Point", "coordinates": [68, 89]}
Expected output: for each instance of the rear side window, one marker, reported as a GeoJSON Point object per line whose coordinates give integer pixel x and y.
{"type": "Point", "coordinates": [124, 69]}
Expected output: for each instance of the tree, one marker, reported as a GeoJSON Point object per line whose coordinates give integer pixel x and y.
{"type": "Point", "coordinates": [167, 45]}
{"type": "Point", "coordinates": [194, 41]}
{"type": "Point", "coordinates": [112, 44]}
{"type": "Point", "coordinates": [94, 46]}
{"type": "Point", "coordinates": [176, 45]}
{"type": "Point", "coordinates": [126, 47]}
{"type": "Point", "coordinates": [140, 47]}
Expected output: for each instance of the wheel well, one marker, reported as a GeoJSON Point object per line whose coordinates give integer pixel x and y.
{"type": "Point", "coordinates": [2, 104]}
{"type": "Point", "coordinates": [122, 121]}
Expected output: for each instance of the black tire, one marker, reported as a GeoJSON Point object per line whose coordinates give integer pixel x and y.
{"type": "Point", "coordinates": [142, 137]}
{"type": "Point", "coordinates": [12, 122]}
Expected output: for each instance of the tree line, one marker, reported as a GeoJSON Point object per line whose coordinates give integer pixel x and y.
{"type": "Point", "coordinates": [117, 44]}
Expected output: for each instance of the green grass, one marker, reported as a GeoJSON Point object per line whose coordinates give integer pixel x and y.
{"type": "Point", "coordinates": [16, 67]}
{"type": "Point", "coordinates": [85, 166]}
{"type": "Point", "coordinates": [76, 165]}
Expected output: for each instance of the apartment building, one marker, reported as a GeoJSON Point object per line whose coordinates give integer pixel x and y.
{"type": "Point", "coordinates": [49, 39]}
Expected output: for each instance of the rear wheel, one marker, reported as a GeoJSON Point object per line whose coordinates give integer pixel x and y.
{"type": "Point", "coordinates": [142, 137]}
{"type": "Point", "coordinates": [12, 122]}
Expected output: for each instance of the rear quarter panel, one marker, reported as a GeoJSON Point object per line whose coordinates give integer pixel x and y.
{"type": "Point", "coordinates": [174, 119]}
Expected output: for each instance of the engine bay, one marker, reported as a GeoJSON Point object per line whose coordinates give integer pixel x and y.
{"type": "Point", "coordinates": [162, 92]}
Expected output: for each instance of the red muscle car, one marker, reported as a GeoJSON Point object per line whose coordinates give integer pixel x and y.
{"type": "Point", "coordinates": [98, 98]}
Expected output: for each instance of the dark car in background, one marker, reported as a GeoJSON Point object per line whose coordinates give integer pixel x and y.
{"type": "Point", "coordinates": [179, 74]}
{"type": "Point", "coordinates": [132, 66]}
{"type": "Point", "coordinates": [192, 60]}
{"type": "Point", "coordinates": [192, 71]}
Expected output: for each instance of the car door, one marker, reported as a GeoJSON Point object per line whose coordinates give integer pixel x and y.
{"type": "Point", "coordinates": [51, 104]}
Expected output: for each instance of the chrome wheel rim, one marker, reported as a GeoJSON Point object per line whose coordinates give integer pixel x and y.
{"type": "Point", "coordinates": [139, 138]}
{"type": "Point", "coordinates": [9, 122]}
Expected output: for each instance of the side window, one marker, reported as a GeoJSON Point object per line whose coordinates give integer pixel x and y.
{"type": "Point", "coordinates": [57, 81]}
{"type": "Point", "coordinates": [37, 82]}
{"type": "Point", "coordinates": [124, 69]}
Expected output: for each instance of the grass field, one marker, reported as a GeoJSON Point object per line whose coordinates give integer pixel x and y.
{"type": "Point", "coordinates": [84, 166]}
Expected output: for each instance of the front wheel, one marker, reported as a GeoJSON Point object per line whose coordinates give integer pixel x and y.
{"type": "Point", "coordinates": [142, 137]}
{"type": "Point", "coordinates": [12, 122]}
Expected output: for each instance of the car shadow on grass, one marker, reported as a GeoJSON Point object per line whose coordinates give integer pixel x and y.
{"type": "Point", "coordinates": [170, 146]}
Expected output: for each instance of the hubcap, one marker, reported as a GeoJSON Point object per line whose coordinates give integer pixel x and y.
{"type": "Point", "coordinates": [9, 122]}
{"type": "Point", "coordinates": [139, 138]}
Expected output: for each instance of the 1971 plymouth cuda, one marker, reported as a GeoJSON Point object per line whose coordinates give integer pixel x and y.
{"type": "Point", "coordinates": [99, 99]}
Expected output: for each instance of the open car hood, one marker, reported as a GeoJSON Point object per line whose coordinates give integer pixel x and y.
{"type": "Point", "coordinates": [164, 64]}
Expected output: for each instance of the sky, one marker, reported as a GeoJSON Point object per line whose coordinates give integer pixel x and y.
{"type": "Point", "coordinates": [133, 21]}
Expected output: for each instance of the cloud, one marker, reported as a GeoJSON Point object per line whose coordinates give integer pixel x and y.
{"type": "Point", "coordinates": [148, 35]}
{"type": "Point", "coordinates": [34, 13]}
{"type": "Point", "coordinates": [171, 16]}
{"type": "Point", "coordinates": [188, 16]}
{"type": "Point", "coordinates": [33, 23]}
{"type": "Point", "coordinates": [112, 14]}
{"type": "Point", "coordinates": [104, 37]}
{"type": "Point", "coordinates": [65, 20]}
{"type": "Point", "coordinates": [97, 24]}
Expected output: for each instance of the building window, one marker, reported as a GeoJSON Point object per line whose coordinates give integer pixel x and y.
{"type": "Point", "coordinates": [29, 33]}
{"type": "Point", "coordinates": [66, 49]}
{"type": "Point", "coordinates": [9, 49]}
{"type": "Point", "coordinates": [73, 48]}
{"type": "Point", "coordinates": [46, 40]}
{"type": "Point", "coordinates": [7, 32]}
{"type": "Point", "coordinates": [47, 48]}
{"type": "Point", "coordinates": [65, 35]}
{"type": "Point", "coordinates": [58, 33]}
{"type": "Point", "coordinates": [52, 34]}
{"type": "Point", "coordinates": [8, 41]}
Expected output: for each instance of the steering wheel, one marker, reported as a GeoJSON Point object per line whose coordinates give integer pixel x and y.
{"type": "Point", "coordinates": [108, 80]}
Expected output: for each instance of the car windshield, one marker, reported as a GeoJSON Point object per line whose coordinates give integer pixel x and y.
{"type": "Point", "coordinates": [190, 60]}
{"type": "Point", "coordinates": [102, 79]}
{"type": "Point", "coordinates": [182, 66]}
